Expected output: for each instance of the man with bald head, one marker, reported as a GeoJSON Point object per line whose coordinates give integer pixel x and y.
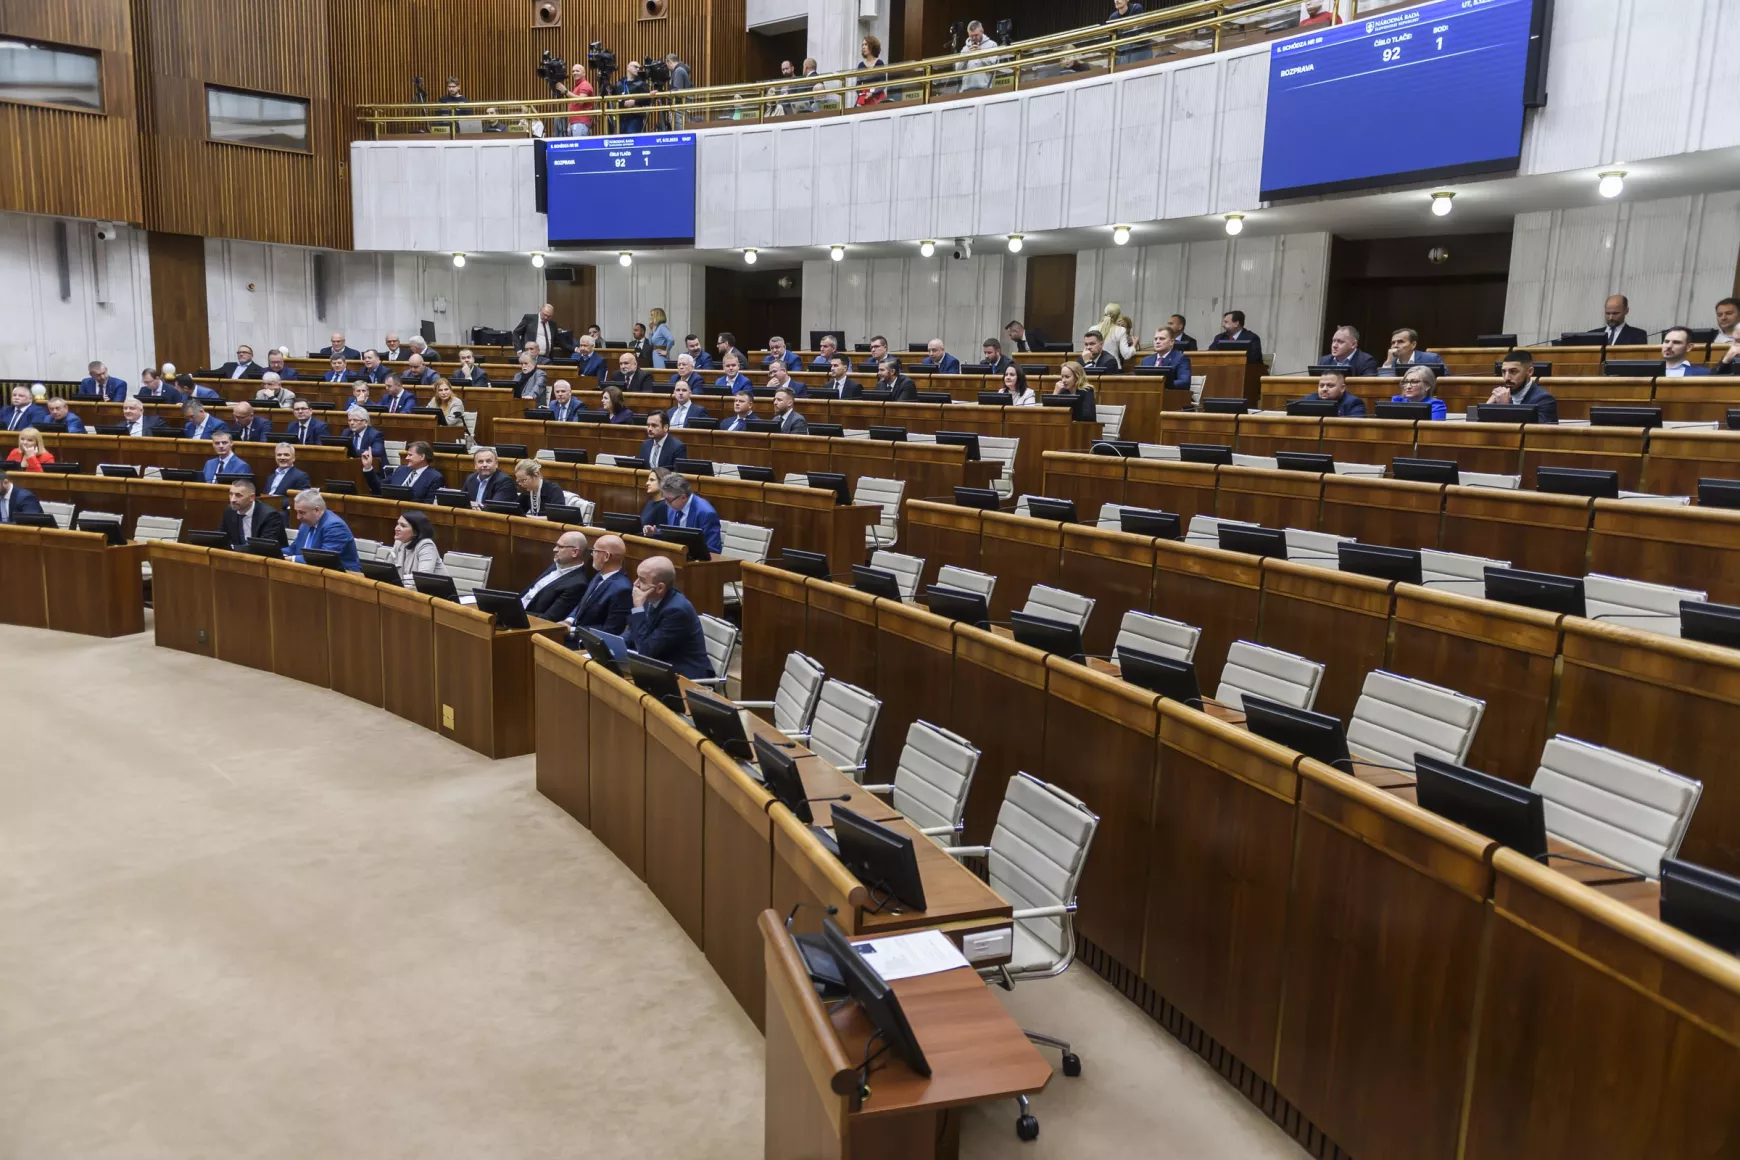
{"type": "Point", "coordinates": [538, 328]}
{"type": "Point", "coordinates": [608, 598]}
{"type": "Point", "coordinates": [557, 590]}
{"type": "Point", "coordinates": [248, 427]}
{"type": "Point", "coordinates": [664, 625]}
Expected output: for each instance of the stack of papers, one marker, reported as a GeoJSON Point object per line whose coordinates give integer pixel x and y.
{"type": "Point", "coordinates": [907, 956]}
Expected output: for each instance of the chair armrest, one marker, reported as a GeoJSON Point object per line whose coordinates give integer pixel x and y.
{"type": "Point", "coordinates": [940, 831]}
{"type": "Point", "coordinates": [753, 704]}
{"type": "Point", "coordinates": [714, 681]}
{"type": "Point", "coordinates": [1043, 912]}
{"type": "Point", "coordinates": [877, 788]}
{"type": "Point", "coordinates": [967, 851]}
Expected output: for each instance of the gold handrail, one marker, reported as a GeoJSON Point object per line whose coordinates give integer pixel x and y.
{"type": "Point", "coordinates": [1130, 43]}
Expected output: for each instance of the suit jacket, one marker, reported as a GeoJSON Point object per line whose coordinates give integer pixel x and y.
{"type": "Point", "coordinates": [328, 352]}
{"type": "Point", "coordinates": [695, 411]}
{"type": "Point", "coordinates": [331, 534]}
{"type": "Point", "coordinates": [527, 331]}
{"type": "Point", "coordinates": [1256, 352]}
{"type": "Point", "coordinates": [950, 365]}
{"type": "Point", "coordinates": [791, 360]}
{"type": "Point", "coordinates": [698, 513]}
{"type": "Point", "coordinates": [405, 402]}
{"type": "Point", "coordinates": [76, 425]}
{"type": "Point", "coordinates": [1003, 363]}
{"type": "Point", "coordinates": [316, 432]}
{"type": "Point", "coordinates": [1628, 336]}
{"type": "Point", "coordinates": [703, 360]}
{"type": "Point", "coordinates": [268, 525]}
{"type": "Point", "coordinates": [1174, 358]}
{"type": "Point", "coordinates": [557, 598]}
{"type": "Point", "coordinates": [1102, 362]}
{"type": "Point", "coordinates": [288, 375]}
{"type": "Point", "coordinates": [207, 427]}
{"type": "Point", "coordinates": [425, 377]}
{"type": "Point", "coordinates": [378, 374]}
{"type": "Point", "coordinates": [792, 423]}
{"type": "Point", "coordinates": [847, 388]}
{"type": "Point", "coordinates": [369, 439]}
{"type": "Point", "coordinates": [533, 385]}
{"type": "Point", "coordinates": [904, 390]}
{"type": "Point", "coordinates": [733, 384]}
{"type": "Point", "coordinates": [292, 479]}
{"type": "Point", "coordinates": [165, 393]}
{"type": "Point", "coordinates": [607, 605]}
{"type": "Point", "coordinates": [1692, 371]}
{"type": "Point", "coordinates": [1184, 343]}
{"type": "Point", "coordinates": [234, 465]}
{"type": "Point", "coordinates": [642, 381]}
{"type": "Point", "coordinates": [252, 370]}
{"type": "Point", "coordinates": [18, 418]}
{"type": "Point", "coordinates": [255, 430]}
{"type": "Point", "coordinates": [21, 503]}
{"type": "Point", "coordinates": [1534, 395]}
{"type": "Point", "coordinates": [344, 376]}
{"type": "Point", "coordinates": [397, 354]}
{"type": "Point", "coordinates": [626, 415]}
{"type": "Point", "coordinates": [153, 427]}
{"type": "Point", "coordinates": [673, 450]}
{"type": "Point", "coordinates": [549, 495]}
{"type": "Point", "coordinates": [474, 378]}
{"type": "Point", "coordinates": [820, 362]}
{"type": "Point", "coordinates": [671, 633]}
{"type": "Point", "coordinates": [1359, 363]}
{"type": "Point", "coordinates": [113, 391]}
{"type": "Point", "coordinates": [1349, 406]}
{"type": "Point", "coordinates": [423, 491]}
{"type": "Point", "coordinates": [592, 366]}
{"type": "Point", "coordinates": [566, 412]}
{"type": "Point", "coordinates": [1422, 358]}
{"type": "Point", "coordinates": [499, 486]}
{"type": "Point", "coordinates": [735, 422]}
{"type": "Point", "coordinates": [797, 389]}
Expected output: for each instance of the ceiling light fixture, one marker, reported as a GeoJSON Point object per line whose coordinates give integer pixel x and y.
{"type": "Point", "coordinates": [459, 259]}
{"type": "Point", "coordinates": [926, 248]}
{"type": "Point", "coordinates": [537, 260]}
{"type": "Point", "coordinates": [1016, 241]}
{"type": "Point", "coordinates": [1120, 235]}
{"type": "Point", "coordinates": [1235, 224]}
{"type": "Point", "coordinates": [749, 257]}
{"type": "Point", "coordinates": [837, 253]}
{"type": "Point", "coordinates": [1441, 203]}
{"type": "Point", "coordinates": [1612, 183]}
{"type": "Point", "coordinates": [625, 259]}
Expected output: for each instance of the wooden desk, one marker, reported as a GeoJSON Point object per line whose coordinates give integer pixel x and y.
{"type": "Point", "coordinates": [976, 1053]}
{"type": "Point", "coordinates": [483, 679]}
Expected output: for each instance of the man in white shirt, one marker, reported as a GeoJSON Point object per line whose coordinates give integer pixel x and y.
{"type": "Point", "coordinates": [683, 405]}
{"type": "Point", "coordinates": [554, 594]}
{"type": "Point", "coordinates": [393, 352]}
{"type": "Point", "coordinates": [133, 416]}
{"type": "Point", "coordinates": [977, 45]}
{"type": "Point", "coordinates": [1674, 341]}
{"type": "Point", "coordinates": [286, 476]}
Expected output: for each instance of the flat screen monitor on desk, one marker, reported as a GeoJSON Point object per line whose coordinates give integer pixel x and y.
{"type": "Point", "coordinates": [884, 433]}
{"type": "Point", "coordinates": [316, 558]}
{"type": "Point", "coordinates": [1148, 522]}
{"type": "Point", "coordinates": [655, 677]}
{"type": "Point", "coordinates": [1172, 679]}
{"type": "Point", "coordinates": [507, 608]}
{"type": "Point", "coordinates": [1243, 344]}
{"type": "Point", "coordinates": [1506, 413]}
{"type": "Point", "coordinates": [1045, 634]}
{"type": "Point", "coordinates": [1121, 448]}
{"type": "Point", "coordinates": [1425, 470]}
{"type": "Point", "coordinates": [967, 439]}
{"type": "Point", "coordinates": [779, 773]}
{"type": "Point", "coordinates": [719, 721]}
{"type": "Point", "coordinates": [561, 513]}
{"type": "Point", "coordinates": [762, 426]}
{"type": "Point", "coordinates": [608, 649]}
{"type": "Point", "coordinates": [44, 520]}
{"type": "Point", "coordinates": [396, 491]}
{"type": "Point", "coordinates": [875, 997]}
{"type": "Point", "coordinates": [884, 860]}
{"type": "Point", "coordinates": [813, 564]}
{"type": "Point", "coordinates": [1645, 417]}
{"type": "Point", "coordinates": [876, 582]}
{"type": "Point", "coordinates": [432, 584]}
{"type": "Point", "coordinates": [1315, 462]}
{"type": "Point", "coordinates": [1213, 453]}
{"type": "Point", "coordinates": [1399, 564]}
{"type": "Point", "coordinates": [451, 497]}
{"type": "Point", "coordinates": [694, 539]}
{"type": "Point", "coordinates": [1045, 508]}
{"type": "Point", "coordinates": [622, 523]}
{"type": "Point", "coordinates": [983, 498]}
{"type": "Point", "coordinates": [1270, 542]}
{"type": "Point", "coordinates": [1634, 369]}
{"type": "Point", "coordinates": [1591, 482]}
{"type": "Point", "coordinates": [1394, 410]}
{"type": "Point", "coordinates": [1075, 404]}
{"type": "Point", "coordinates": [118, 470]}
{"type": "Point", "coordinates": [693, 467]}
{"type": "Point", "coordinates": [1317, 735]}
{"type": "Point", "coordinates": [1717, 624]}
{"type": "Point", "coordinates": [1490, 806]}
{"type": "Point", "coordinates": [1507, 341]}
{"type": "Point", "coordinates": [828, 430]}
{"type": "Point", "coordinates": [986, 399]}
{"type": "Point", "coordinates": [754, 473]}
{"type": "Point", "coordinates": [501, 507]}
{"type": "Point", "coordinates": [182, 475]}
{"type": "Point", "coordinates": [832, 481]}
{"type": "Point", "coordinates": [272, 550]}
{"type": "Point", "coordinates": [1542, 590]}
{"type": "Point", "coordinates": [1322, 408]}
{"type": "Point", "coordinates": [1224, 406]}
{"type": "Point", "coordinates": [1170, 374]}
{"type": "Point", "coordinates": [957, 604]}
{"type": "Point", "coordinates": [380, 571]}
{"type": "Point", "coordinates": [1702, 902]}
{"type": "Point", "coordinates": [570, 454]}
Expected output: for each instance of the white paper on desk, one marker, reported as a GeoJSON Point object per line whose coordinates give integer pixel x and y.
{"type": "Point", "coordinates": [907, 956]}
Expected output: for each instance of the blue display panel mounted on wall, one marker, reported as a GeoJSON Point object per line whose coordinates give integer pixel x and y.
{"type": "Point", "coordinates": [1423, 93]}
{"type": "Point", "coordinates": [619, 191]}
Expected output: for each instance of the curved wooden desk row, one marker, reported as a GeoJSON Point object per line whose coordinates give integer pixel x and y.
{"type": "Point", "coordinates": [70, 582]}
{"type": "Point", "coordinates": [405, 427]}
{"type": "Point", "coordinates": [1368, 959]}
{"type": "Point", "coordinates": [1682, 545]}
{"type": "Point", "coordinates": [88, 451]}
{"type": "Point", "coordinates": [1699, 399]}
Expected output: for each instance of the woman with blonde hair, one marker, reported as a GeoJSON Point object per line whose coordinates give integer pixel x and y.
{"type": "Point", "coordinates": [659, 337]}
{"type": "Point", "coordinates": [1114, 330]}
{"type": "Point", "coordinates": [30, 452]}
{"type": "Point", "coordinates": [449, 407]}
{"type": "Point", "coordinates": [1072, 379]}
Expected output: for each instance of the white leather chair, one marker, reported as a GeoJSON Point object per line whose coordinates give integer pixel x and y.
{"type": "Point", "coordinates": [470, 418]}
{"type": "Point", "coordinates": [1263, 462]}
{"type": "Point", "coordinates": [587, 508]}
{"type": "Point", "coordinates": [1619, 808]}
{"type": "Point", "coordinates": [931, 780]}
{"type": "Point", "coordinates": [395, 451]}
{"type": "Point", "coordinates": [721, 646]}
{"type": "Point", "coordinates": [796, 479]}
{"type": "Point", "coordinates": [1649, 499]}
{"type": "Point", "coordinates": [887, 493]}
{"type": "Point", "coordinates": [1634, 604]}
{"type": "Point", "coordinates": [1034, 863]}
{"type": "Point", "coordinates": [1110, 416]}
{"type": "Point", "coordinates": [467, 570]}
{"type": "Point", "coordinates": [907, 570]}
{"type": "Point", "coordinates": [1268, 672]}
{"type": "Point", "coordinates": [1056, 604]}
{"type": "Point", "coordinates": [1001, 449]}
{"type": "Point", "coordinates": [1397, 717]}
{"type": "Point", "coordinates": [368, 550]}
{"type": "Point", "coordinates": [1315, 549]}
{"type": "Point", "coordinates": [794, 700]}
{"type": "Point", "coordinates": [1108, 518]}
{"type": "Point", "coordinates": [62, 512]}
{"type": "Point", "coordinates": [953, 576]}
{"type": "Point", "coordinates": [1456, 572]}
{"type": "Point", "coordinates": [842, 725]}
{"type": "Point", "coordinates": [1158, 451]}
{"type": "Point", "coordinates": [739, 541]}
{"type": "Point", "coordinates": [150, 528]}
{"type": "Point", "coordinates": [1488, 479]}
{"type": "Point", "coordinates": [1369, 470]}
{"type": "Point", "coordinates": [726, 470]}
{"type": "Point", "coordinates": [1204, 531]}
{"type": "Point", "coordinates": [1157, 636]}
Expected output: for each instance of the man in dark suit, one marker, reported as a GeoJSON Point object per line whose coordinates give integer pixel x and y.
{"type": "Point", "coordinates": [534, 492]}
{"type": "Point", "coordinates": [1344, 352]}
{"type": "Point", "coordinates": [1179, 339]}
{"type": "Point", "coordinates": [629, 375]}
{"type": "Point", "coordinates": [160, 389]}
{"type": "Point", "coordinates": [564, 407]}
{"type": "Point", "coordinates": [1675, 341]}
{"type": "Point", "coordinates": [686, 373]}
{"type": "Point", "coordinates": [15, 501]}
{"type": "Point", "coordinates": [414, 471]}
{"type": "Point", "coordinates": [22, 412]}
{"type": "Point", "coordinates": [391, 351]}
{"type": "Point", "coordinates": [777, 353]}
{"type": "Point", "coordinates": [373, 369]}
{"type": "Point", "coordinates": [683, 406]}
{"type": "Point", "coordinates": [337, 348]}
{"type": "Point", "coordinates": [900, 388]}
{"type": "Point", "coordinates": [698, 352]}
{"type": "Point", "coordinates": [1095, 356]}
{"type": "Point", "coordinates": [285, 476]}
{"type": "Point", "coordinates": [242, 366]}
{"type": "Point", "coordinates": [660, 448]}
{"type": "Point", "coordinates": [137, 422]}
{"type": "Point", "coordinates": [304, 427]}
{"type": "Point", "coordinates": [1614, 331]}
{"type": "Point", "coordinates": [785, 414]}
{"type": "Point", "coordinates": [742, 410]}
{"type": "Point", "coordinates": [418, 372]}
{"type": "Point", "coordinates": [607, 600]}
{"type": "Point", "coordinates": [1332, 387]}
{"type": "Point", "coordinates": [396, 398]}
{"type": "Point", "coordinates": [878, 351]}
{"type": "Point", "coordinates": [1022, 339]}
{"type": "Point", "coordinates": [588, 363]}
{"type": "Point", "coordinates": [687, 510]}
{"type": "Point", "coordinates": [487, 480]}
{"type": "Point", "coordinates": [539, 328]}
{"type": "Point", "coordinates": [733, 379]}
{"type": "Point", "coordinates": [1232, 329]}
{"type": "Point", "coordinates": [339, 372]}
{"type": "Point", "coordinates": [59, 412]}
{"type": "Point", "coordinates": [1520, 388]}
{"type": "Point", "coordinates": [1167, 354]}
{"type": "Point", "coordinates": [939, 359]}
{"type": "Point", "coordinates": [664, 625]}
{"type": "Point", "coordinates": [199, 424]}
{"type": "Point", "coordinates": [995, 361]}
{"type": "Point", "coordinates": [247, 426]}
{"type": "Point", "coordinates": [276, 364]}
{"type": "Point", "coordinates": [844, 388]}
{"type": "Point", "coordinates": [102, 385]}
{"type": "Point", "coordinates": [468, 373]}
{"type": "Point", "coordinates": [361, 436]}
{"type": "Point", "coordinates": [726, 344]}
{"type": "Point", "coordinates": [224, 460]}
{"type": "Point", "coordinates": [558, 588]}
{"type": "Point", "coordinates": [246, 519]}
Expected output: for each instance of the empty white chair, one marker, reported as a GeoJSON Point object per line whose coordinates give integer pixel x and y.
{"type": "Point", "coordinates": [1110, 416]}
{"type": "Point", "coordinates": [953, 576]}
{"type": "Point", "coordinates": [1650, 607]}
{"type": "Point", "coordinates": [62, 512]}
{"type": "Point", "coordinates": [467, 570]}
{"type": "Point", "coordinates": [1455, 572]}
{"type": "Point", "coordinates": [842, 725]}
{"type": "Point", "coordinates": [1001, 449]}
{"type": "Point", "coordinates": [470, 418]}
{"type": "Point", "coordinates": [1617, 807]}
{"type": "Point", "coordinates": [1268, 672]}
{"type": "Point", "coordinates": [395, 451]}
{"type": "Point", "coordinates": [1157, 636]}
{"type": "Point", "coordinates": [545, 455]}
{"type": "Point", "coordinates": [907, 570]}
{"type": "Point", "coordinates": [931, 780]}
{"type": "Point", "coordinates": [586, 506]}
{"type": "Point", "coordinates": [721, 646]}
{"type": "Point", "coordinates": [740, 541]}
{"type": "Point", "coordinates": [1371, 470]}
{"type": "Point", "coordinates": [154, 528]}
{"type": "Point", "coordinates": [1653, 500]}
{"type": "Point", "coordinates": [1488, 479]}
{"type": "Point", "coordinates": [796, 479]}
{"type": "Point", "coordinates": [1397, 717]}
{"type": "Point", "coordinates": [367, 550]}
{"type": "Point", "coordinates": [1265, 462]}
{"type": "Point", "coordinates": [605, 459]}
{"type": "Point", "coordinates": [1158, 451]}
{"type": "Point", "coordinates": [1315, 549]}
{"type": "Point", "coordinates": [856, 433]}
{"type": "Point", "coordinates": [1056, 604]}
{"type": "Point", "coordinates": [1197, 383]}
{"type": "Point", "coordinates": [923, 436]}
{"type": "Point", "coordinates": [1204, 531]}
{"type": "Point", "coordinates": [794, 700]}
{"type": "Point", "coordinates": [726, 470]}
{"type": "Point", "coordinates": [887, 493]}
{"type": "Point", "coordinates": [1108, 520]}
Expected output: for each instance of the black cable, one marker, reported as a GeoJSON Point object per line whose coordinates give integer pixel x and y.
{"type": "Point", "coordinates": [1349, 762]}
{"type": "Point", "coordinates": [1626, 875]}
{"type": "Point", "coordinates": [865, 1068]}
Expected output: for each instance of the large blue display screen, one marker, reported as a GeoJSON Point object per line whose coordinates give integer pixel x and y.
{"type": "Point", "coordinates": [1422, 93]}
{"type": "Point", "coordinates": [621, 191]}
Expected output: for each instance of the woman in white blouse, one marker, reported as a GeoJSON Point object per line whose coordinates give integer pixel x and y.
{"type": "Point", "coordinates": [1115, 333]}
{"type": "Point", "coordinates": [414, 548]}
{"type": "Point", "coordinates": [1015, 383]}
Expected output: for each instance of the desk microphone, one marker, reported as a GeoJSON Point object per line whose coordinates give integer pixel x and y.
{"type": "Point", "coordinates": [773, 801]}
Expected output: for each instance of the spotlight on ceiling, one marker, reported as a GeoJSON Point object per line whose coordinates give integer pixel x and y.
{"type": "Point", "coordinates": [1016, 241]}
{"type": "Point", "coordinates": [1120, 235]}
{"type": "Point", "coordinates": [1441, 203]}
{"type": "Point", "coordinates": [625, 259]}
{"type": "Point", "coordinates": [1235, 224]}
{"type": "Point", "coordinates": [1612, 183]}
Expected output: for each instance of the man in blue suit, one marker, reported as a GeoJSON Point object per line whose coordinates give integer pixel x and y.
{"type": "Point", "coordinates": [418, 372]}
{"type": "Point", "coordinates": [686, 374]}
{"type": "Point", "coordinates": [224, 460]}
{"type": "Point", "coordinates": [276, 365]}
{"type": "Point", "coordinates": [1674, 341]}
{"type": "Point", "coordinates": [687, 510]}
{"type": "Point", "coordinates": [321, 530]}
{"type": "Point", "coordinates": [304, 427]}
{"type": "Point", "coordinates": [339, 373]}
{"type": "Point", "coordinates": [15, 501]}
{"type": "Point", "coordinates": [373, 369]}
{"type": "Point", "coordinates": [247, 426]}
{"type": "Point", "coordinates": [199, 424]}
{"type": "Point", "coordinates": [1332, 386]}
{"type": "Point", "coordinates": [742, 410]}
{"type": "Point", "coordinates": [660, 448]}
{"type": "Point", "coordinates": [587, 361]}
{"type": "Point", "coordinates": [102, 385]}
{"type": "Point", "coordinates": [1167, 354]}
{"type": "Point", "coordinates": [564, 407]}
{"type": "Point", "coordinates": [59, 412]}
{"type": "Point", "coordinates": [158, 389]}
{"type": "Point", "coordinates": [286, 477]}
{"type": "Point", "coordinates": [664, 625]}
{"type": "Point", "coordinates": [703, 360]}
{"type": "Point", "coordinates": [733, 379]}
{"type": "Point", "coordinates": [23, 411]}
{"type": "Point", "coordinates": [137, 422]}
{"type": "Point", "coordinates": [940, 359]}
{"type": "Point", "coordinates": [1405, 352]}
{"type": "Point", "coordinates": [337, 348]}
{"type": "Point", "coordinates": [558, 588]}
{"type": "Point", "coordinates": [487, 480]}
{"type": "Point", "coordinates": [828, 348]}
{"type": "Point", "coordinates": [1344, 352]}
{"type": "Point", "coordinates": [397, 399]}
{"type": "Point", "coordinates": [776, 353]}
{"type": "Point", "coordinates": [607, 600]}
{"type": "Point", "coordinates": [359, 436]}
{"type": "Point", "coordinates": [413, 472]}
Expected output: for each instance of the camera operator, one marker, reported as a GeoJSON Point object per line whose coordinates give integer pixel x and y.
{"type": "Point", "coordinates": [632, 85]}
{"type": "Point", "coordinates": [579, 111]}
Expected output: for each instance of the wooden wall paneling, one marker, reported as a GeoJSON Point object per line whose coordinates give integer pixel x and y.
{"type": "Point", "coordinates": [673, 813]}
{"type": "Point", "coordinates": [1616, 449]}
{"type": "Point", "coordinates": [1392, 512]}
{"type": "Point", "coordinates": [842, 632]}
{"type": "Point", "coordinates": [1668, 545]}
{"type": "Point", "coordinates": [68, 163]}
{"type": "Point", "coordinates": [1678, 459]}
{"type": "Point", "coordinates": [1383, 958]}
{"type": "Point", "coordinates": [179, 321]}
{"type": "Point", "coordinates": [1544, 533]}
{"type": "Point", "coordinates": [775, 614]}
{"type": "Point", "coordinates": [1367, 440]}
{"type": "Point", "coordinates": [1116, 570]}
{"type": "Point", "coordinates": [1219, 592]}
{"type": "Point", "coordinates": [1267, 434]}
{"type": "Point", "coordinates": [737, 854]}
{"type": "Point", "coordinates": [1490, 447]}
{"type": "Point", "coordinates": [1184, 489]}
{"type": "Point", "coordinates": [999, 704]}
{"type": "Point", "coordinates": [1019, 553]}
{"type": "Point", "coordinates": [915, 661]}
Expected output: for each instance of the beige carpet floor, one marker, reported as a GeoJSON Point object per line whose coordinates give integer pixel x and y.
{"type": "Point", "coordinates": [241, 917]}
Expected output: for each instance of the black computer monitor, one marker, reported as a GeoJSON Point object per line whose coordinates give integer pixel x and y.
{"type": "Point", "coordinates": [1172, 679]}
{"type": "Point", "coordinates": [562, 513]}
{"type": "Point", "coordinates": [1316, 735]}
{"type": "Point", "coordinates": [779, 773]}
{"type": "Point", "coordinates": [1731, 418]}
{"type": "Point", "coordinates": [1045, 508]}
{"type": "Point", "coordinates": [182, 475]}
{"type": "Point", "coordinates": [622, 523]}
{"type": "Point", "coordinates": [1507, 341]}
{"type": "Point", "coordinates": [1425, 470]}
{"type": "Point", "coordinates": [874, 996]}
{"type": "Point", "coordinates": [118, 470]}
{"type": "Point", "coordinates": [719, 722]}
{"type": "Point", "coordinates": [1149, 522]}
{"type": "Point", "coordinates": [44, 520]}
{"type": "Point", "coordinates": [202, 538]}
{"type": "Point", "coordinates": [876, 581]}
{"type": "Point", "coordinates": [346, 487]}
{"type": "Point", "coordinates": [1630, 369]}
{"type": "Point", "coordinates": [110, 530]}
{"type": "Point", "coordinates": [570, 454]}
{"type": "Point", "coordinates": [608, 649]}
{"type": "Point", "coordinates": [694, 539]}
{"type": "Point", "coordinates": [1074, 403]}
{"type": "Point", "coordinates": [1645, 417]}
{"type": "Point", "coordinates": [978, 497]}
{"type": "Point", "coordinates": [1542, 590]}
{"type": "Point", "coordinates": [396, 491]}
{"type": "Point", "coordinates": [813, 564]}
{"type": "Point", "coordinates": [451, 497]}
{"type": "Point", "coordinates": [754, 473]}
{"type": "Point", "coordinates": [542, 413]}
{"type": "Point", "coordinates": [1314, 462]}
{"type": "Point", "coordinates": [67, 467]}
{"type": "Point", "coordinates": [224, 477]}
{"type": "Point", "coordinates": [828, 430]}
{"type": "Point", "coordinates": [1506, 413]}
{"type": "Point", "coordinates": [957, 604]}
{"type": "Point", "coordinates": [967, 439]}
{"type": "Point", "coordinates": [1170, 374]}
{"type": "Point", "coordinates": [501, 507]}
{"type": "Point", "coordinates": [995, 399]}
{"type": "Point", "coordinates": [932, 397]}
{"type": "Point", "coordinates": [1702, 902]}
{"type": "Point", "coordinates": [1398, 564]}
{"type": "Point", "coordinates": [1322, 408]}
{"type": "Point", "coordinates": [655, 677]}
{"type": "Point", "coordinates": [839, 337]}
{"type": "Point", "coordinates": [434, 584]}
{"type": "Point", "coordinates": [1244, 344]}
{"type": "Point", "coordinates": [268, 549]}
{"type": "Point", "coordinates": [1215, 453]}
{"type": "Point", "coordinates": [1122, 448]}
{"type": "Point", "coordinates": [832, 481]}
{"type": "Point", "coordinates": [1222, 406]}
{"type": "Point", "coordinates": [1710, 623]}
{"type": "Point", "coordinates": [109, 429]}
{"type": "Point", "coordinates": [317, 558]}
{"type": "Point", "coordinates": [634, 462]}
{"type": "Point", "coordinates": [762, 426]}
{"type": "Point", "coordinates": [1046, 634]}
{"type": "Point", "coordinates": [886, 434]}
{"type": "Point", "coordinates": [1504, 811]}
{"type": "Point", "coordinates": [381, 571]}
{"type": "Point", "coordinates": [1257, 541]}
{"type": "Point", "coordinates": [693, 467]}
{"type": "Point", "coordinates": [1595, 484]}
{"type": "Point", "coordinates": [337, 441]}
{"type": "Point", "coordinates": [884, 860]}
{"type": "Point", "coordinates": [507, 451]}
{"type": "Point", "coordinates": [1394, 410]}
{"type": "Point", "coordinates": [505, 606]}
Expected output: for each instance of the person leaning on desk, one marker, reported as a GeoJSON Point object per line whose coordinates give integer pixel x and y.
{"type": "Point", "coordinates": [664, 625]}
{"type": "Point", "coordinates": [679, 506]}
{"type": "Point", "coordinates": [1520, 389]}
{"type": "Point", "coordinates": [1332, 388]}
{"type": "Point", "coordinates": [322, 531]}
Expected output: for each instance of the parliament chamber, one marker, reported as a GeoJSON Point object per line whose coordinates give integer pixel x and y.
{"type": "Point", "coordinates": [764, 594]}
